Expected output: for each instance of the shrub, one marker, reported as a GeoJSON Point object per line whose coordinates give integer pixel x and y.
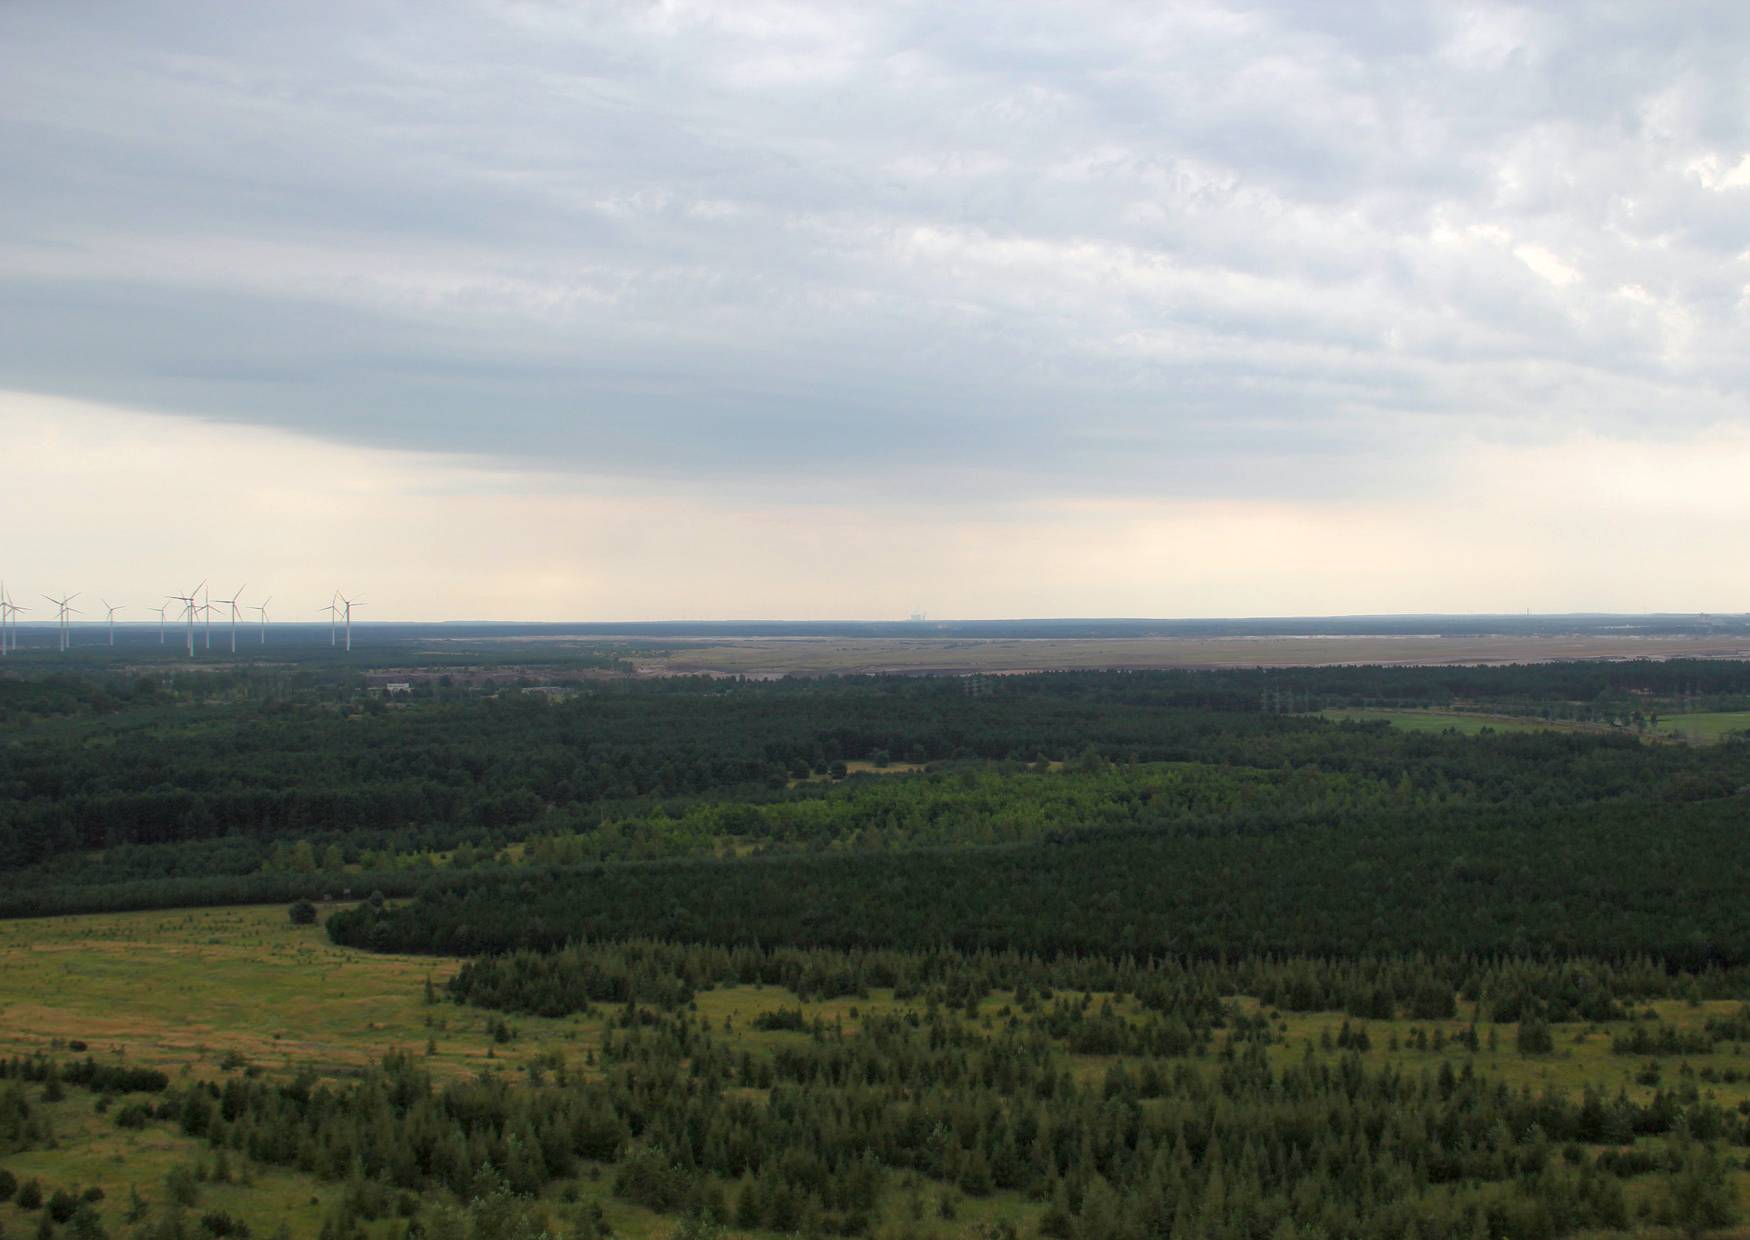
{"type": "Point", "coordinates": [8, 1185]}
{"type": "Point", "coordinates": [180, 1184]}
{"type": "Point", "coordinates": [30, 1194]}
{"type": "Point", "coordinates": [86, 1224]}
{"type": "Point", "coordinates": [62, 1204]}
{"type": "Point", "coordinates": [219, 1223]}
{"type": "Point", "coordinates": [698, 1226]}
{"type": "Point", "coordinates": [789, 1020]}
{"type": "Point", "coordinates": [303, 913]}
{"type": "Point", "coordinates": [651, 1179]}
{"type": "Point", "coordinates": [1535, 1037]}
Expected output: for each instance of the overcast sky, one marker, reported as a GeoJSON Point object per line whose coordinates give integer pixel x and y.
{"type": "Point", "coordinates": [750, 309]}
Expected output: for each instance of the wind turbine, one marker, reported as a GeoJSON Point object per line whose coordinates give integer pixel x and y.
{"type": "Point", "coordinates": [111, 608]}
{"type": "Point", "coordinates": [349, 605]}
{"type": "Point", "coordinates": [262, 608]}
{"type": "Point", "coordinates": [16, 608]}
{"type": "Point", "coordinates": [188, 602]}
{"type": "Point", "coordinates": [232, 604]}
{"type": "Point", "coordinates": [64, 608]}
{"type": "Point", "coordinates": [207, 611]}
{"type": "Point", "coordinates": [8, 609]}
{"type": "Point", "coordinates": [333, 620]}
{"type": "Point", "coordinates": [160, 611]}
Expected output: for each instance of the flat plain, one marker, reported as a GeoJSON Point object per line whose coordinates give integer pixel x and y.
{"type": "Point", "coordinates": [803, 656]}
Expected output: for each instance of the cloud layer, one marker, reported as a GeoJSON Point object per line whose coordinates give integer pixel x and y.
{"type": "Point", "coordinates": [896, 258]}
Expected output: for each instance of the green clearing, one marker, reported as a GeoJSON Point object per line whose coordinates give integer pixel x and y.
{"type": "Point", "coordinates": [863, 766]}
{"type": "Point", "coordinates": [1447, 721]}
{"type": "Point", "coordinates": [1707, 725]}
{"type": "Point", "coordinates": [202, 993]}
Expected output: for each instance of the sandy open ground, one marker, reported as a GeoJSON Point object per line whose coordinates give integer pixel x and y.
{"type": "Point", "coordinates": [778, 656]}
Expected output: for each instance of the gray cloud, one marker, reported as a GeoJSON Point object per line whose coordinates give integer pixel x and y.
{"type": "Point", "coordinates": [979, 250]}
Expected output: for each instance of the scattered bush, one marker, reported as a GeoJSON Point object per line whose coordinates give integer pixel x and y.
{"type": "Point", "coordinates": [181, 1185]}
{"type": "Point", "coordinates": [1535, 1037]}
{"type": "Point", "coordinates": [789, 1020]}
{"type": "Point", "coordinates": [86, 1224]}
{"type": "Point", "coordinates": [219, 1223]}
{"type": "Point", "coordinates": [62, 1204]}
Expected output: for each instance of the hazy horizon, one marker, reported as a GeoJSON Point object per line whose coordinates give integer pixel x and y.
{"type": "Point", "coordinates": [42, 619]}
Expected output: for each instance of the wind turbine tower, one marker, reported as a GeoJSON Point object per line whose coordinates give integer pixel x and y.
{"type": "Point", "coordinates": [16, 608]}
{"type": "Point", "coordinates": [160, 611]}
{"type": "Point", "coordinates": [111, 608]}
{"type": "Point", "coordinates": [8, 611]}
{"type": "Point", "coordinates": [188, 602]}
{"type": "Point", "coordinates": [262, 608]}
{"type": "Point", "coordinates": [349, 604]}
{"type": "Point", "coordinates": [64, 608]}
{"type": "Point", "coordinates": [333, 621]}
{"type": "Point", "coordinates": [232, 604]}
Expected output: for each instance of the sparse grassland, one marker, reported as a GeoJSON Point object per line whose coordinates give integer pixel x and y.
{"type": "Point", "coordinates": [180, 990]}
{"type": "Point", "coordinates": [208, 993]}
{"type": "Point", "coordinates": [91, 1151]}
